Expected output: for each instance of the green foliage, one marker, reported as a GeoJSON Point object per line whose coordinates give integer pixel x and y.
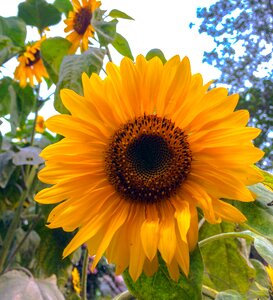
{"type": "Point", "coordinates": [15, 29]}
{"type": "Point", "coordinates": [53, 51]}
{"type": "Point", "coordinates": [160, 286]}
{"type": "Point", "coordinates": [122, 46]}
{"type": "Point", "coordinates": [39, 13]}
{"type": "Point", "coordinates": [115, 13]}
{"type": "Point", "coordinates": [63, 6]}
{"type": "Point", "coordinates": [106, 31]}
{"type": "Point", "coordinates": [71, 71]}
{"type": "Point", "coordinates": [234, 271]}
{"type": "Point", "coordinates": [158, 53]}
{"type": "Point", "coordinates": [7, 49]}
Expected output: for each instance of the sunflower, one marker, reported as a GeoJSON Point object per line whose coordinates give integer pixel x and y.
{"type": "Point", "coordinates": [76, 280]}
{"type": "Point", "coordinates": [142, 150]}
{"type": "Point", "coordinates": [30, 65]}
{"type": "Point", "coordinates": [40, 124]}
{"type": "Point", "coordinates": [79, 22]}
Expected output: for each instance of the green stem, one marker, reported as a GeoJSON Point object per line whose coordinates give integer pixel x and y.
{"type": "Point", "coordinates": [225, 235]}
{"type": "Point", "coordinates": [108, 53]}
{"type": "Point", "coordinates": [11, 231]}
{"type": "Point", "coordinates": [84, 274]}
{"type": "Point", "coordinates": [209, 292]}
{"type": "Point", "coordinates": [35, 115]}
{"type": "Point", "coordinates": [124, 296]}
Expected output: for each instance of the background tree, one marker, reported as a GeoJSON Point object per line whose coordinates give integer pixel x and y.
{"type": "Point", "coordinates": [243, 34]}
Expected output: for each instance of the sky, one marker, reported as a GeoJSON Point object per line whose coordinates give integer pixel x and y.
{"type": "Point", "coordinates": [158, 24]}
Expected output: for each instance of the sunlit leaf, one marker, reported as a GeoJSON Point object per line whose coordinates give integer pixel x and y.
{"type": "Point", "coordinates": [7, 49]}
{"type": "Point", "coordinates": [63, 6]}
{"type": "Point", "coordinates": [260, 212]}
{"type": "Point", "coordinates": [229, 295]}
{"type": "Point", "coordinates": [225, 267]}
{"type": "Point", "coordinates": [19, 285]}
{"type": "Point", "coordinates": [39, 13]}
{"type": "Point", "coordinates": [53, 51]}
{"type": "Point", "coordinates": [122, 46]}
{"type": "Point", "coordinates": [161, 287]}
{"type": "Point", "coordinates": [115, 13]}
{"type": "Point", "coordinates": [156, 52]}
{"type": "Point", "coordinates": [15, 29]}
{"type": "Point", "coordinates": [71, 71]}
{"type": "Point", "coordinates": [106, 31]}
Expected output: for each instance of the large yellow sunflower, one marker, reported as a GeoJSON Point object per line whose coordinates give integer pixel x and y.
{"type": "Point", "coordinates": [30, 65]}
{"type": "Point", "coordinates": [79, 22]}
{"type": "Point", "coordinates": [142, 149]}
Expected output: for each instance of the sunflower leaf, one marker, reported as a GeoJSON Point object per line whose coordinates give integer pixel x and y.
{"type": "Point", "coordinates": [7, 49]}
{"type": "Point", "coordinates": [39, 13]}
{"type": "Point", "coordinates": [64, 6]}
{"type": "Point", "coordinates": [156, 52]}
{"type": "Point", "coordinates": [53, 51]}
{"type": "Point", "coordinates": [234, 272]}
{"type": "Point", "coordinates": [71, 70]}
{"type": "Point", "coordinates": [115, 13]}
{"type": "Point", "coordinates": [160, 286]}
{"type": "Point", "coordinates": [106, 31]}
{"type": "Point", "coordinates": [15, 29]}
{"type": "Point", "coordinates": [229, 295]}
{"type": "Point", "coordinates": [5, 96]}
{"type": "Point", "coordinates": [259, 213]}
{"type": "Point", "coordinates": [122, 46]}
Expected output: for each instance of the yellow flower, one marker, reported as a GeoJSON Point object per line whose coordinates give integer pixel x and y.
{"type": "Point", "coordinates": [79, 22]}
{"type": "Point", "coordinates": [30, 65]}
{"type": "Point", "coordinates": [269, 271]}
{"type": "Point", "coordinates": [142, 149]}
{"type": "Point", "coordinates": [40, 124]}
{"type": "Point", "coordinates": [76, 280]}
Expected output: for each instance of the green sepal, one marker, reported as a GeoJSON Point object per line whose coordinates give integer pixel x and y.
{"type": "Point", "coordinates": [161, 287]}
{"type": "Point", "coordinates": [158, 53]}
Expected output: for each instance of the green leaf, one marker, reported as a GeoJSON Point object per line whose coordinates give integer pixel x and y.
{"type": "Point", "coordinates": [27, 156]}
{"type": "Point", "coordinates": [7, 49]}
{"type": "Point", "coordinates": [71, 71]}
{"type": "Point", "coordinates": [53, 51]}
{"type": "Point", "coordinates": [122, 46]}
{"type": "Point", "coordinates": [156, 52]}
{"type": "Point", "coordinates": [39, 13]}
{"type": "Point", "coordinates": [64, 6]}
{"type": "Point", "coordinates": [15, 29]}
{"type": "Point", "coordinates": [5, 96]}
{"type": "Point", "coordinates": [225, 267]}
{"type": "Point", "coordinates": [106, 31]}
{"type": "Point", "coordinates": [22, 103]}
{"type": "Point", "coordinates": [115, 13]}
{"type": "Point", "coordinates": [268, 179]}
{"type": "Point", "coordinates": [229, 295]}
{"type": "Point", "coordinates": [6, 167]}
{"type": "Point", "coordinates": [160, 286]}
{"type": "Point", "coordinates": [20, 285]}
{"type": "Point", "coordinates": [259, 213]}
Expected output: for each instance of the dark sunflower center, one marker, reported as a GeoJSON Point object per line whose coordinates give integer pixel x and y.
{"type": "Point", "coordinates": [82, 20]}
{"type": "Point", "coordinates": [37, 57]}
{"type": "Point", "coordinates": [148, 159]}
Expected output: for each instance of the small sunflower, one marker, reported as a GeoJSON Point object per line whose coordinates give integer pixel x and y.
{"type": "Point", "coordinates": [40, 124]}
{"type": "Point", "coordinates": [79, 22]}
{"type": "Point", "coordinates": [142, 150]}
{"type": "Point", "coordinates": [30, 65]}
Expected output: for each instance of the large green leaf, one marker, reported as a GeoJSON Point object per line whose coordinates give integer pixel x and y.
{"type": "Point", "coordinates": [15, 29]}
{"type": "Point", "coordinates": [115, 13]}
{"type": "Point", "coordinates": [160, 286]}
{"type": "Point", "coordinates": [122, 46]}
{"type": "Point", "coordinates": [7, 49]}
{"type": "Point", "coordinates": [19, 285]}
{"type": "Point", "coordinates": [5, 96]}
{"type": "Point", "coordinates": [225, 267]}
{"type": "Point", "coordinates": [39, 13]}
{"type": "Point", "coordinates": [260, 212]}
{"type": "Point", "coordinates": [53, 51]}
{"type": "Point", "coordinates": [106, 31]}
{"type": "Point", "coordinates": [156, 52]}
{"type": "Point", "coordinates": [63, 6]}
{"type": "Point", "coordinates": [71, 71]}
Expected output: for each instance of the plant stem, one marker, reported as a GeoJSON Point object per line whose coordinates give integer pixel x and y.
{"type": "Point", "coordinates": [11, 231]}
{"type": "Point", "coordinates": [108, 53]}
{"type": "Point", "coordinates": [225, 235]}
{"type": "Point", "coordinates": [84, 274]}
{"type": "Point", "coordinates": [209, 292]}
{"type": "Point", "coordinates": [35, 115]}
